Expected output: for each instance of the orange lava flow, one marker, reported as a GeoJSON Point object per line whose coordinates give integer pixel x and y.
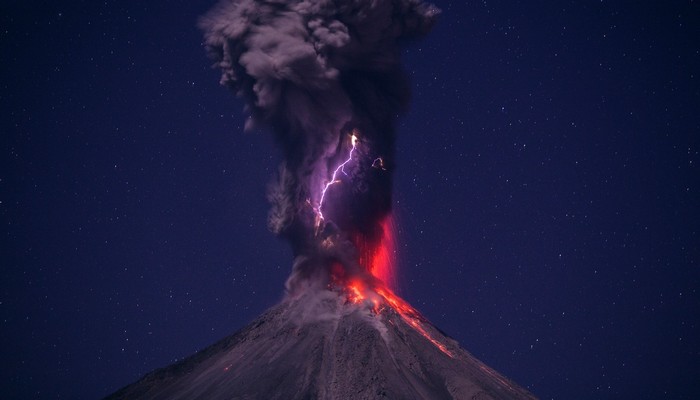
{"type": "Point", "coordinates": [411, 316]}
{"type": "Point", "coordinates": [357, 292]}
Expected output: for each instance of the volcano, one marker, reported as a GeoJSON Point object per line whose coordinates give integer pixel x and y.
{"type": "Point", "coordinates": [330, 344]}
{"type": "Point", "coordinates": [326, 78]}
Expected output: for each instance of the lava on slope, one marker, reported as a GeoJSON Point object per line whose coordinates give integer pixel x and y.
{"type": "Point", "coordinates": [330, 344]}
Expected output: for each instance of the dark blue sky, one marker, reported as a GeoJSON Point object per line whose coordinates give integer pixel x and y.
{"type": "Point", "coordinates": [546, 194]}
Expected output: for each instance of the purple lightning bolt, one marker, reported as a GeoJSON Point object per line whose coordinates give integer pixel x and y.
{"type": "Point", "coordinates": [334, 179]}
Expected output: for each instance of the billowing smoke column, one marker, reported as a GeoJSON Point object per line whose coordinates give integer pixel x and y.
{"type": "Point", "coordinates": [325, 76]}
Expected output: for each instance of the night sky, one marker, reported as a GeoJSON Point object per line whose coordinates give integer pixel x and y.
{"type": "Point", "coordinates": [547, 195]}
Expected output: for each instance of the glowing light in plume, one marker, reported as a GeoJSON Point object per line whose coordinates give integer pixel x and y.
{"type": "Point", "coordinates": [378, 163]}
{"type": "Point", "coordinates": [383, 264]}
{"type": "Point", "coordinates": [334, 178]}
{"type": "Point", "coordinates": [379, 259]}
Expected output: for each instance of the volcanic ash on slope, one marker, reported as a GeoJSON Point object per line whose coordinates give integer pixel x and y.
{"type": "Point", "coordinates": [325, 345]}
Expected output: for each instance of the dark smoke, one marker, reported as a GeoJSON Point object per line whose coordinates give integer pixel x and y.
{"type": "Point", "coordinates": [314, 71]}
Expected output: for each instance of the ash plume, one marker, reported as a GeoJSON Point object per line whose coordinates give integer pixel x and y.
{"type": "Point", "coordinates": [315, 71]}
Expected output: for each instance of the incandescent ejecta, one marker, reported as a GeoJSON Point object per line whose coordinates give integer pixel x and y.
{"type": "Point", "coordinates": [324, 76]}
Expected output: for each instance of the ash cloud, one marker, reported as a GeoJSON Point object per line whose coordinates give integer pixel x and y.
{"type": "Point", "coordinates": [314, 71]}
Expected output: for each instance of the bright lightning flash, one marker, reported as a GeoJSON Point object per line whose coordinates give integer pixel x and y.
{"type": "Point", "coordinates": [334, 178]}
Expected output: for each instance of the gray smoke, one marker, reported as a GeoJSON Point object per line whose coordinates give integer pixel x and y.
{"type": "Point", "coordinates": [313, 71]}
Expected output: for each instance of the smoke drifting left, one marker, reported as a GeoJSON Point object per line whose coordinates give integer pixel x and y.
{"type": "Point", "coordinates": [317, 72]}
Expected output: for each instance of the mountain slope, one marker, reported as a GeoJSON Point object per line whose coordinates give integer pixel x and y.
{"type": "Point", "coordinates": [322, 346]}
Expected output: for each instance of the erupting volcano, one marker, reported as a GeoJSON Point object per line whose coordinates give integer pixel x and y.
{"type": "Point", "coordinates": [325, 77]}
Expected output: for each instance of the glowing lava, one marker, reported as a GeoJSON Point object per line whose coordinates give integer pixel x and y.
{"type": "Point", "coordinates": [357, 293]}
{"type": "Point", "coordinates": [379, 298]}
{"type": "Point", "coordinates": [379, 258]}
{"type": "Point", "coordinates": [410, 315]}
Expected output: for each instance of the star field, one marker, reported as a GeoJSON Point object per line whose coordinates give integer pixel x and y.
{"type": "Point", "coordinates": [546, 195]}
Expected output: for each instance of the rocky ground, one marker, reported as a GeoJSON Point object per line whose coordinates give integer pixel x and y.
{"type": "Point", "coordinates": [320, 346]}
